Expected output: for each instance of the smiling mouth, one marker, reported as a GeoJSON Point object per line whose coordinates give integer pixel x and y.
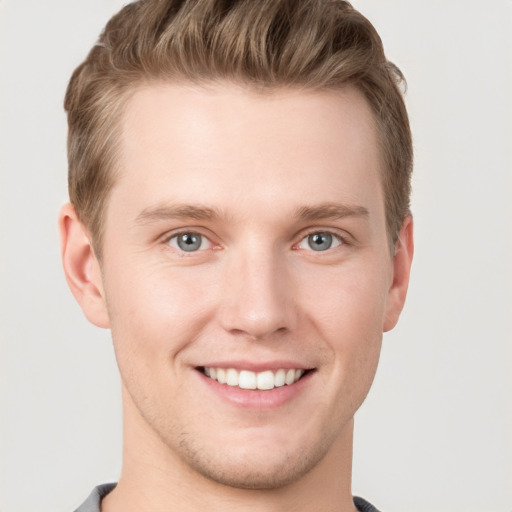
{"type": "Point", "coordinates": [246, 379]}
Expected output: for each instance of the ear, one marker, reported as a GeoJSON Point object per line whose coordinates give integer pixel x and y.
{"type": "Point", "coordinates": [81, 267]}
{"type": "Point", "coordinates": [402, 261]}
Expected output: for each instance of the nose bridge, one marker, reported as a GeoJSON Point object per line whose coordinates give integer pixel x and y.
{"type": "Point", "coordinates": [257, 298]}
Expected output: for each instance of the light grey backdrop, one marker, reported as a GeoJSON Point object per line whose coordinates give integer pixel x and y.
{"type": "Point", "coordinates": [436, 431]}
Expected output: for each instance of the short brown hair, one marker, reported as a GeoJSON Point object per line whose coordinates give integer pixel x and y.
{"type": "Point", "coordinates": [308, 44]}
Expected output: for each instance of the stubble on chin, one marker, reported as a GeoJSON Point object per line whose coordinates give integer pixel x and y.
{"type": "Point", "coordinates": [242, 471]}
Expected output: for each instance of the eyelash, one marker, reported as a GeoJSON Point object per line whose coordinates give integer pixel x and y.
{"type": "Point", "coordinates": [336, 237]}
{"type": "Point", "coordinates": [175, 236]}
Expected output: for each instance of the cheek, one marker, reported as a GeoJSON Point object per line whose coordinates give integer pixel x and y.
{"type": "Point", "coordinates": [156, 310]}
{"type": "Point", "coordinates": [348, 312]}
{"type": "Point", "coordinates": [153, 314]}
{"type": "Point", "coordinates": [348, 302]}
{"type": "Point", "coordinates": [353, 330]}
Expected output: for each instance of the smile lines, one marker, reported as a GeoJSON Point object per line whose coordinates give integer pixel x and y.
{"type": "Point", "coordinates": [246, 379]}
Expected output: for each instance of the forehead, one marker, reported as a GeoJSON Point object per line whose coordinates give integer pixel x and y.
{"type": "Point", "coordinates": [217, 110]}
{"type": "Point", "coordinates": [182, 142]}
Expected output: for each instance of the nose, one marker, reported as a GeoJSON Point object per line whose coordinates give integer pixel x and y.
{"type": "Point", "coordinates": [258, 296]}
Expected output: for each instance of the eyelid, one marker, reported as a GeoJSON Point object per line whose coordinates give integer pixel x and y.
{"type": "Point", "coordinates": [203, 241]}
{"type": "Point", "coordinates": [166, 239]}
{"type": "Point", "coordinates": [343, 239]}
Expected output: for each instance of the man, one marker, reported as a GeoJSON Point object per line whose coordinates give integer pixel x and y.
{"type": "Point", "coordinates": [239, 177]}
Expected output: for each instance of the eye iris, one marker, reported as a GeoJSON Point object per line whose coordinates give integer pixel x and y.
{"type": "Point", "coordinates": [189, 242]}
{"type": "Point", "coordinates": [320, 241]}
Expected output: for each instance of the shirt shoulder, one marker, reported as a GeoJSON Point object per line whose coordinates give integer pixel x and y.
{"type": "Point", "coordinates": [363, 506]}
{"type": "Point", "coordinates": [93, 502]}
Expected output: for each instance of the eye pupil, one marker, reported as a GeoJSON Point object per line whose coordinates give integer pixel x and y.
{"type": "Point", "coordinates": [320, 241]}
{"type": "Point", "coordinates": [189, 242]}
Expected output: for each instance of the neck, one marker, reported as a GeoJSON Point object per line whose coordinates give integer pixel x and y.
{"type": "Point", "coordinates": [154, 478]}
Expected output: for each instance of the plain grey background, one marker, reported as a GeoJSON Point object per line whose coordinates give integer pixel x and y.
{"type": "Point", "coordinates": [435, 434]}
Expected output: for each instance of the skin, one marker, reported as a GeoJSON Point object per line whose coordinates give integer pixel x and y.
{"type": "Point", "coordinates": [254, 174]}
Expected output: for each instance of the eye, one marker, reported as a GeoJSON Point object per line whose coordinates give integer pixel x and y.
{"type": "Point", "coordinates": [189, 242]}
{"type": "Point", "coordinates": [320, 241]}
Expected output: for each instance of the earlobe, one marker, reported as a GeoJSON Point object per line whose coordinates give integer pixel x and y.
{"type": "Point", "coordinates": [402, 261]}
{"type": "Point", "coordinates": [81, 267]}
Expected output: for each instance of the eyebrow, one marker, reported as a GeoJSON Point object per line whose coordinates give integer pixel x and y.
{"type": "Point", "coordinates": [331, 211]}
{"type": "Point", "coordinates": [305, 213]}
{"type": "Point", "coordinates": [178, 211]}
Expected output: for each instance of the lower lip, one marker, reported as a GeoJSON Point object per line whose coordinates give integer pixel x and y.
{"type": "Point", "coordinates": [255, 398]}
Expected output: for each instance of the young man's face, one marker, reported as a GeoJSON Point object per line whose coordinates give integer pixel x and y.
{"type": "Point", "coordinates": [246, 235]}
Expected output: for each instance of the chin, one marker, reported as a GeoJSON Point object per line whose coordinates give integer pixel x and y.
{"type": "Point", "coordinates": [254, 468]}
{"type": "Point", "coordinates": [246, 475]}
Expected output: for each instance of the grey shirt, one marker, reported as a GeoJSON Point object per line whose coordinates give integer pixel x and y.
{"type": "Point", "coordinates": [93, 502]}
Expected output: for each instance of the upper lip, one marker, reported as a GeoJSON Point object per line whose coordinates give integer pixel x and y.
{"type": "Point", "coordinates": [256, 366]}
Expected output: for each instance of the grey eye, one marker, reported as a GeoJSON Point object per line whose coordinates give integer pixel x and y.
{"type": "Point", "coordinates": [189, 242]}
{"type": "Point", "coordinates": [320, 241]}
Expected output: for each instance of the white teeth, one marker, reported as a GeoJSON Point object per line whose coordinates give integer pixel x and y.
{"type": "Point", "coordinates": [221, 375]}
{"type": "Point", "coordinates": [232, 377]}
{"type": "Point", "coordinates": [266, 380]}
{"type": "Point", "coordinates": [279, 379]}
{"type": "Point", "coordinates": [246, 379]}
{"type": "Point", "coordinates": [290, 377]}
